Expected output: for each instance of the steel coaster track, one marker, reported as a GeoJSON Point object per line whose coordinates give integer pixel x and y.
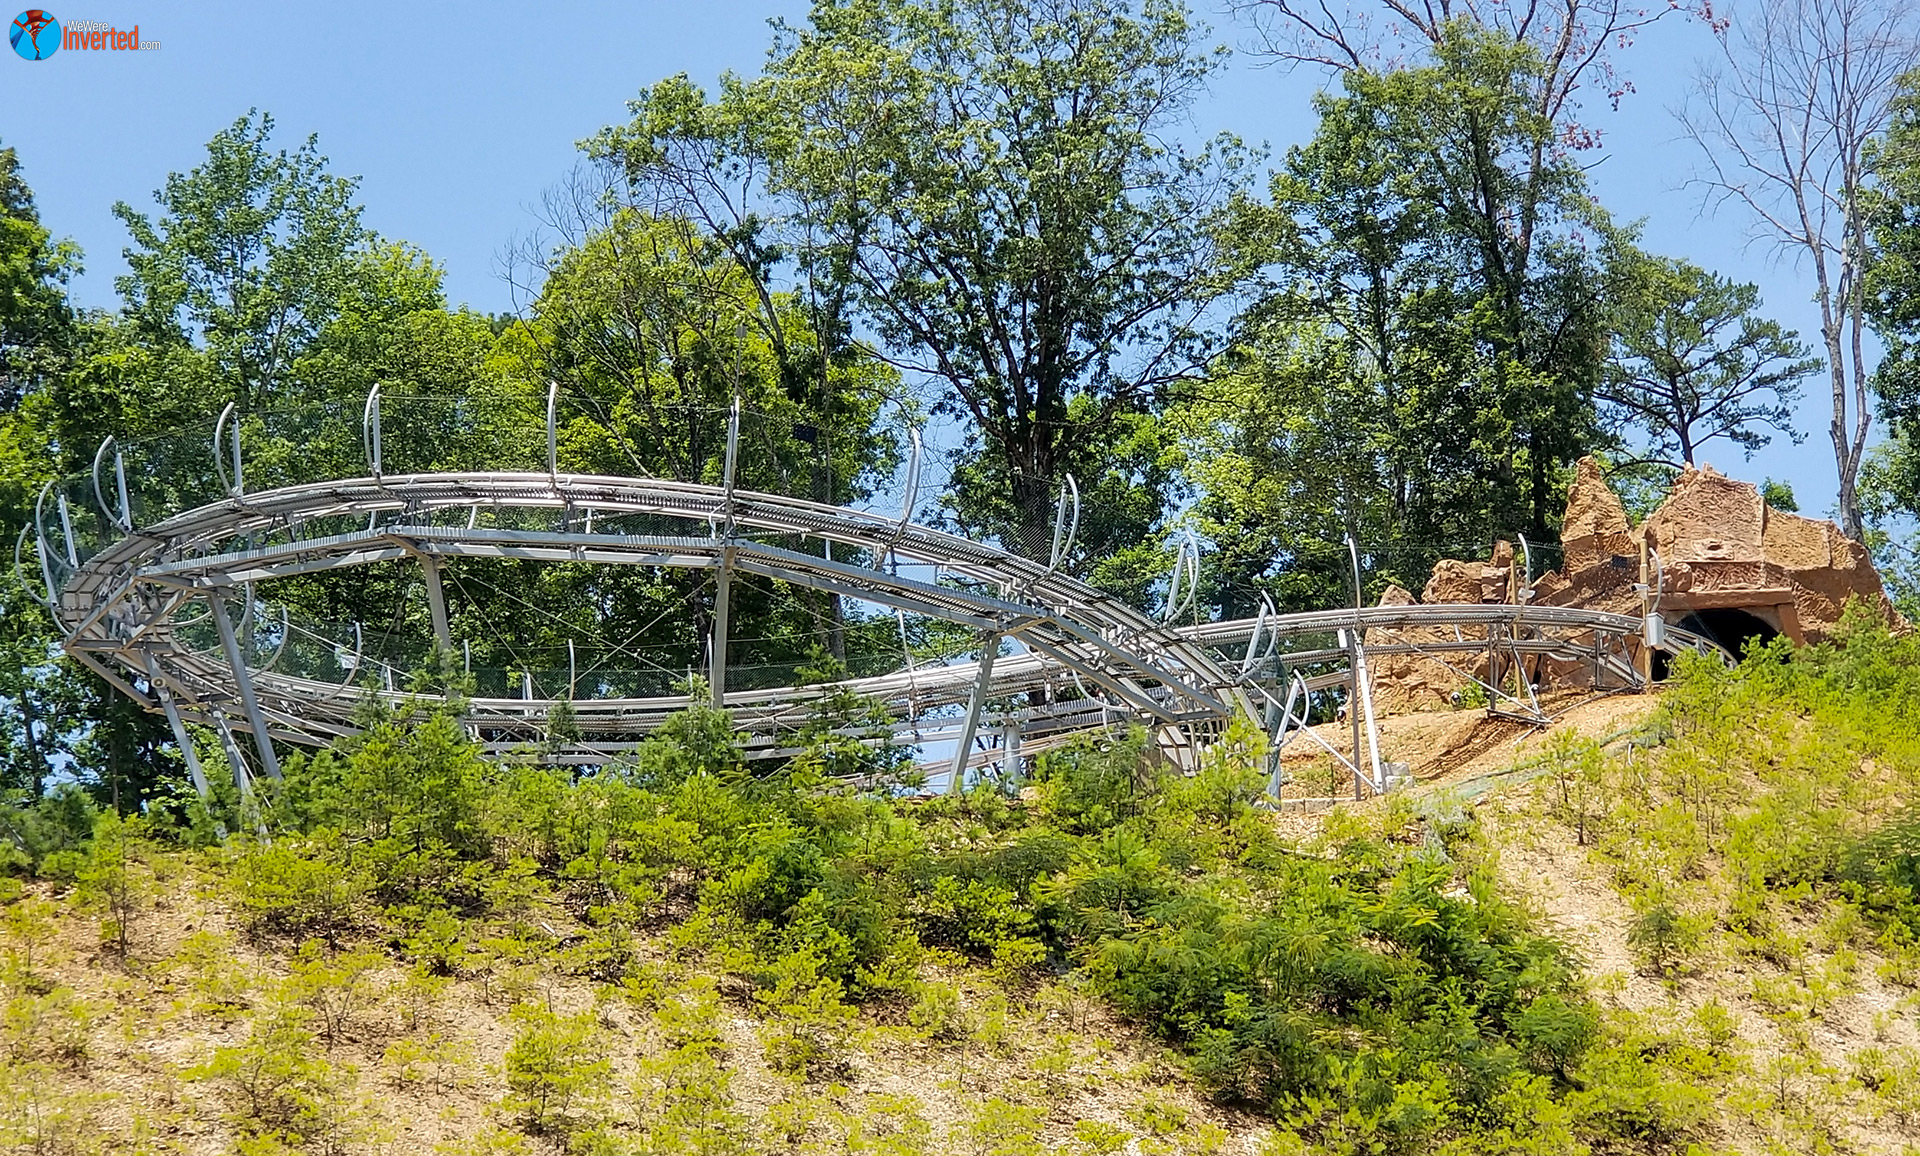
{"type": "Point", "coordinates": [121, 611]}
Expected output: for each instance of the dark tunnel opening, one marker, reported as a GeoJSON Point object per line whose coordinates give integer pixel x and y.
{"type": "Point", "coordinates": [1731, 627]}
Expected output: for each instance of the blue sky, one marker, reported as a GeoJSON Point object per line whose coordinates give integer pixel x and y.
{"type": "Point", "coordinates": [458, 117]}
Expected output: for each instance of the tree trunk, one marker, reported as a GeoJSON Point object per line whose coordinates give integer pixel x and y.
{"type": "Point", "coordinates": [1846, 461]}
{"type": "Point", "coordinates": [36, 761]}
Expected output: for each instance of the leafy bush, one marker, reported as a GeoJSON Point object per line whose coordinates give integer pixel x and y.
{"type": "Point", "coordinates": [113, 881]}
{"type": "Point", "coordinates": [556, 1067]}
{"type": "Point", "coordinates": [277, 1080]}
{"type": "Point", "coordinates": [1365, 970]}
{"type": "Point", "coordinates": [298, 888]}
{"type": "Point", "coordinates": [56, 826]}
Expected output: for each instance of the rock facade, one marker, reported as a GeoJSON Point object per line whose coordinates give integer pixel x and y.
{"type": "Point", "coordinates": [1728, 565]}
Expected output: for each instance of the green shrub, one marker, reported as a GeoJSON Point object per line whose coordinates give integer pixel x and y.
{"type": "Point", "coordinates": [299, 888]}
{"type": "Point", "coordinates": [53, 1027]}
{"type": "Point", "coordinates": [1000, 1127]}
{"type": "Point", "coordinates": [556, 1067]}
{"type": "Point", "coordinates": [40, 1117]}
{"type": "Point", "coordinates": [114, 882]}
{"type": "Point", "coordinates": [219, 983]}
{"type": "Point", "coordinates": [1662, 937]}
{"type": "Point", "coordinates": [277, 1080]}
{"type": "Point", "coordinates": [974, 916]}
{"type": "Point", "coordinates": [56, 827]}
{"type": "Point", "coordinates": [1092, 784]}
{"type": "Point", "coordinates": [810, 1022]}
{"type": "Point", "coordinates": [335, 988]}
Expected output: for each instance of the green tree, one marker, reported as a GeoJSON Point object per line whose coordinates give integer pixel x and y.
{"type": "Point", "coordinates": [36, 321]}
{"type": "Point", "coordinates": [1890, 478]}
{"type": "Point", "coordinates": [247, 259]}
{"type": "Point", "coordinates": [1420, 369]}
{"type": "Point", "coordinates": [1692, 363]}
{"type": "Point", "coordinates": [1787, 123]}
{"type": "Point", "coordinates": [37, 336]}
{"type": "Point", "coordinates": [997, 183]}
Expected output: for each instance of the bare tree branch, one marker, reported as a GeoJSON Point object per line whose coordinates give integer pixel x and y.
{"type": "Point", "coordinates": [1784, 121]}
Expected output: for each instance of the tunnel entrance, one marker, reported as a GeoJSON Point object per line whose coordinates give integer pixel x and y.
{"type": "Point", "coordinates": [1729, 626]}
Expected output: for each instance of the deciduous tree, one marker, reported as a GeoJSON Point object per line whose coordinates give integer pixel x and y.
{"type": "Point", "coordinates": [1785, 120]}
{"type": "Point", "coordinates": [1692, 363]}
{"type": "Point", "coordinates": [1001, 184]}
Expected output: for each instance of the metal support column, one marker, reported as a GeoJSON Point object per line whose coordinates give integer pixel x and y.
{"type": "Point", "coordinates": [236, 762]}
{"type": "Point", "coordinates": [437, 602]}
{"type": "Point", "coordinates": [187, 753]}
{"type": "Point", "coordinates": [976, 702]}
{"type": "Point", "coordinates": [722, 605]}
{"type": "Point", "coordinates": [1013, 772]}
{"type": "Point", "coordinates": [1365, 683]}
{"type": "Point", "coordinates": [1353, 702]}
{"type": "Point", "coordinates": [230, 643]}
{"type": "Point", "coordinates": [723, 578]}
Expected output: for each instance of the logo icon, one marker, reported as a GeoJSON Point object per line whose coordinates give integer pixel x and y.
{"type": "Point", "coordinates": [35, 34]}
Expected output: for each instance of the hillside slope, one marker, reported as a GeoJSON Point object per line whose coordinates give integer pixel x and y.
{"type": "Point", "coordinates": [1692, 930]}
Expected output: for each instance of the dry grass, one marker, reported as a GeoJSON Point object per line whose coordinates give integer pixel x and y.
{"type": "Point", "coordinates": [194, 984]}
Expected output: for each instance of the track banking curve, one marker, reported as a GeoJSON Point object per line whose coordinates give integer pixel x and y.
{"type": "Point", "coordinates": [170, 613]}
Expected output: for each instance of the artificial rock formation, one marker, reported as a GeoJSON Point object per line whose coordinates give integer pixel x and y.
{"type": "Point", "coordinates": [1727, 565]}
{"type": "Point", "coordinates": [1724, 557]}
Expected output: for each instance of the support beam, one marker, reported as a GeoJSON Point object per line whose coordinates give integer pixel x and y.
{"type": "Point", "coordinates": [722, 606]}
{"type": "Point", "coordinates": [437, 602]}
{"type": "Point", "coordinates": [1014, 772]}
{"type": "Point", "coordinates": [187, 752]}
{"type": "Point", "coordinates": [1365, 682]}
{"type": "Point", "coordinates": [1353, 703]}
{"type": "Point", "coordinates": [236, 762]}
{"type": "Point", "coordinates": [989, 650]}
{"type": "Point", "coordinates": [230, 643]}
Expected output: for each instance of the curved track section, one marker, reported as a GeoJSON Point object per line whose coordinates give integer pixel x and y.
{"type": "Point", "coordinates": [143, 603]}
{"type": "Point", "coordinates": [178, 613]}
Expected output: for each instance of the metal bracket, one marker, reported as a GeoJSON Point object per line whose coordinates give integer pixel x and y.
{"type": "Point", "coordinates": [1064, 542]}
{"type": "Point", "coordinates": [20, 544]}
{"type": "Point", "coordinates": [1525, 594]}
{"type": "Point", "coordinates": [370, 431]}
{"type": "Point", "coordinates": [1183, 585]}
{"type": "Point", "coordinates": [123, 517]}
{"type": "Point", "coordinates": [909, 500]}
{"type": "Point", "coordinates": [235, 481]}
{"type": "Point", "coordinates": [1257, 656]}
{"type": "Point", "coordinates": [553, 429]}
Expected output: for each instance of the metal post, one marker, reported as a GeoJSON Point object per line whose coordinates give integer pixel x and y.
{"type": "Point", "coordinates": [437, 602]}
{"type": "Point", "coordinates": [370, 430]}
{"type": "Point", "coordinates": [229, 642]}
{"type": "Point", "coordinates": [1013, 771]}
{"type": "Point", "coordinates": [1353, 702]}
{"type": "Point", "coordinates": [236, 762]}
{"type": "Point", "coordinates": [1362, 685]}
{"type": "Point", "coordinates": [722, 604]}
{"type": "Point", "coordinates": [723, 581]}
{"type": "Point", "coordinates": [187, 753]}
{"type": "Point", "coordinates": [1646, 612]}
{"type": "Point", "coordinates": [553, 429]}
{"type": "Point", "coordinates": [989, 650]}
{"type": "Point", "coordinates": [1365, 683]}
